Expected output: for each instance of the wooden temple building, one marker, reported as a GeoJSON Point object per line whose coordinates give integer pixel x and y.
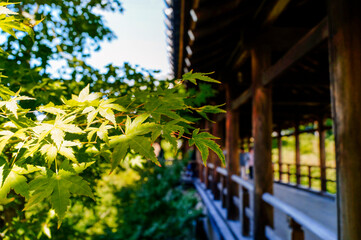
{"type": "Point", "coordinates": [282, 64]}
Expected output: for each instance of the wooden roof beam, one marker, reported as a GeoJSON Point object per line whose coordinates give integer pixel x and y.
{"type": "Point", "coordinates": [304, 103]}
{"type": "Point", "coordinates": [227, 24]}
{"type": "Point", "coordinates": [240, 59]}
{"type": "Point", "coordinates": [208, 44]}
{"type": "Point", "coordinates": [307, 43]}
{"type": "Point", "coordinates": [268, 11]}
{"type": "Point", "coordinates": [300, 49]}
{"type": "Point", "coordinates": [281, 38]}
{"type": "Point", "coordinates": [243, 98]}
{"type": "Point", "coordinates": [276, 10]}
{"type": "Point", "coordinates": [218, 9]}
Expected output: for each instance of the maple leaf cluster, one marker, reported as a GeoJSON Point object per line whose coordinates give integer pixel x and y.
{"type": "Point", "coordinates": [42, 157]}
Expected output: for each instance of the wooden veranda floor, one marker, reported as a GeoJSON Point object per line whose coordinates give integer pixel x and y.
{"type": "Point", "coordinates": [321, 209]}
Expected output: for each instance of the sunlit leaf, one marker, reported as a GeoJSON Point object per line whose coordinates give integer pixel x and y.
{"type": "Point", "coordinates": [193, 77]}
{"type": "Point", "coordinates": [57, 187]}
{"type": "Point", "coordinates": [204, 141]}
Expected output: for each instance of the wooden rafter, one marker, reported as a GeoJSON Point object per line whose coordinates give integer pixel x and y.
{"type": "Point", "coordinates": [314, 37]}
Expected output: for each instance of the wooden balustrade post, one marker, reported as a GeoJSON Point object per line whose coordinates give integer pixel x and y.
{"type": "Point", "coordinates": [262, 134]}
{"type": "Point", "coordinates": [209, 178]}
{"type": "Point", "coordinates": [298, 155]}
{"type": "Point", "coordinates": [296, 230]}
{"type": "Point", "coordinates": [232, 164]}
{"type": "Point", "coordinates": [345, 64]}
{"type": "Point", "coordinates": [279, 144]}
{"type": "Point", "coordinates": [205, 175]}
{"type": "Point", "coordinates": [309, 177]}
{"type": "Point", "coordinates": [289, 173]}
{"type": "Point", "coordinates": [322, 148]}
{"type": "Point", "coordinates": [215, 189]}
{"type": "Point", "coordinates": [245, 222]}
{"type": "Point", "coordinates": [223, 187]}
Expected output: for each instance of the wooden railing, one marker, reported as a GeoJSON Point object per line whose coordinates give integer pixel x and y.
{"type": "Point", "coordinates": [245, 191]}
{"type": "Point", "coordinates": [308, 177]}
{"type": "Point", "coordinates": [222, 185]}
{"type": "Point", "coordinates": [298, 221]}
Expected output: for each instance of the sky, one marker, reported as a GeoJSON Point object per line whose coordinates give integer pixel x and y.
{"type": "Point", "coordinates": [141, 38]}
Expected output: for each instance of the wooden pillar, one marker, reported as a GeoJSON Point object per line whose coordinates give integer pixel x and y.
{"type": "Point", "coordinates": [345, 66]}
{"type": "Point", "coordinates": [232, 136]}
{"type": "Point", "coordinates": [298, 155]}
{"type": "Point", "coordinates": [279, 144]}
{"type": "Point", "coordinates": [322, 148]}
{"type": "Point", "coordinates": [262, 134]}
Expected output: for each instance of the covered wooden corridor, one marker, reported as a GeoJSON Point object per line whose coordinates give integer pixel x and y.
{"type": "Point", "coordinates": [285, 65]}
{"type": "Point", "coordinates": [317, 213]}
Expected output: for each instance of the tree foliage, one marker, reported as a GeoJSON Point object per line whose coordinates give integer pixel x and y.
{"type": "Point", "coordinates": [155, 207]}
{"type": "Point", "coordinates": [45, 146]}
{"type": "Point", "coordinates": [69, 32]}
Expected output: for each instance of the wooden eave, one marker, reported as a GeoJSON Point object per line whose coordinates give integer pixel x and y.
{"type": "Point", "coordinates": [224, 32]}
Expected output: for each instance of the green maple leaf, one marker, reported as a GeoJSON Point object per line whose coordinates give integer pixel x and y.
{"type": "Point", "coordinates": [50, 151]}
{"type": "Point", "coordinates": [57, 187]}
{"type": "Point", "coordinates": [193, 77]}
{"type": "Point", "coordinates": [105, 109]}
{"type": "Point", "coordinates": [137, 126]}
{"type": "Point", "coordinates": [164, 110]}
{"type": "Point", "coordinates": [22, 121]}
{"type": "Point", "coordinates": [67, 151]}
{"type": "Point", "coordinates": [5, 92]}
{"type": "Point", "coordinates": [205, 141]}
{"type": "Point", "coordinates": [51, 108]}
{"type": "Point", "coordinates": [12, 178]}
{"type": "Point", "coordinates": [102, 132]}
{"type": "Point", "coordinates": [143, 146]}
{"type": "Point", "coordinates": [118, 155]}
{"type": "Point", "coordinates": [169, 130]}
{"type": "Point", "coordinates": [132, 139]}
{"type": "Point", "coordinates": [166, 104]}
{"type": "Point", "coordinates": [80, 167]}
{"type": "Point", "coordinates": [139, 144]}
{"type": "Point", "coordinates": [12, 103]}
{"type": "Point", "coordinates": [209, 109]}
{"type": "Point", "coordinates": [9, 23]}
{"type": "Point", "coordinates": [5, 137]}
{"type": "Point", "coordinates": [57, 129]}
{"type": "Point", "coordinates": [85, 96]}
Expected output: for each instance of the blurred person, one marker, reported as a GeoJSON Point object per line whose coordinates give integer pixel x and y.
{"type": "Point", "coordinates": [243, 160]}
{"type": "Point", "coordinates": [251, 162]}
